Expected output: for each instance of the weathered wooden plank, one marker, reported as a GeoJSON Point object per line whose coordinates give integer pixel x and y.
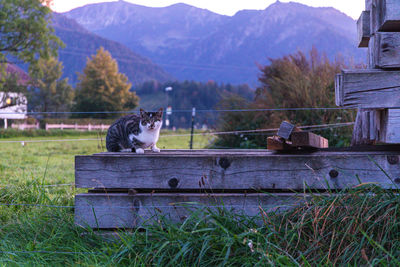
{"type": "Point", "coordinates": [386, 50]}
{"type": "Point", "coordinates": [132, 211]}
{"type": "Point", "coordinates": [365, 128]}
{"type": "Point", "coordinates": [338, 90]}
{"type": "Point", "coordinates": [385, 15]}
{"type": "Point", "coordinates": [277, 143]}
{"type": "Point", "coordinates": [368, 4]}
{"type": "Point", "coordinates": [308, 139]}
{"type": "Point", "coordinates": [285, 130]}
{"type": "Point", "coordinates": [384, 127]}
{"type": "Point", "coordinates": [393, 126]}
{"type": "Point", "coordinates": [233, 171]}
{"type": "Point", "coordinates": [363, 29]}
{"type": "Point", "coordinates": [371, 53]}
{"type": "Point", "coordinates": [365, 125]}
{"type": "Point", "coordinates": [365, 89]}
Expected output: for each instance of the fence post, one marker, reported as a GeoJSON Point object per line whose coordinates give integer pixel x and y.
{"type": "Point", "coordinates": [89, 127]}
{"type": "Point", "coordinates": [191, 132]}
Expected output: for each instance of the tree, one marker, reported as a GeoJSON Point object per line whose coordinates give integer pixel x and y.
{"type": "Point", "coordinates": [25, 31]}
{"type": "Point", "coordinates": [49, 92]}
{"type": "Point", "coordinates": [296, 81]}
{"type": "Point", "coordinates": [102, 88]}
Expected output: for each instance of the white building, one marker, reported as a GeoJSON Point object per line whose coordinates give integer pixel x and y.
{"type": "Point", "coordinates": [13, 106]}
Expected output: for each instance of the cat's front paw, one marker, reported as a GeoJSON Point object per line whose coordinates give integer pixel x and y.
{"type": "Point", "coordinates": [155, 149]}
{"type": "Point", "coordinates": [139, 151]}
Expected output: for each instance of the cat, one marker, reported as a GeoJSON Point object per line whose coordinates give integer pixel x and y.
{"type": "Point", "coordinates": [133, 133]}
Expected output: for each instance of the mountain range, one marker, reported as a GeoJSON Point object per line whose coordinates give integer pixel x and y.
{"type": "Point", "coordinates": [81, 44]}
{"type": "Point", "coordinates": [191, 43]}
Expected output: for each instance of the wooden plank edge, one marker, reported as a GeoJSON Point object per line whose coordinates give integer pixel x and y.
{"type": "Point", "coordinates": [106, 211]}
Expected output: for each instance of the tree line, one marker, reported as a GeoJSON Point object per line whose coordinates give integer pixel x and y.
{"type": "Point", "coordinates": [298, 80]}
{"type": "Point", "coordinates": [293, 81]}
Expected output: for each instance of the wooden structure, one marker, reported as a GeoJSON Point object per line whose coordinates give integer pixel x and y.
{"type": "Point", "coordinates": [127, 189]}
{"type": "Point", "coordinates": [376, 90]}
{"type": "Point", "coordinates": [289, 137]}
{"type": "Point", "coordinates": [78, 127]}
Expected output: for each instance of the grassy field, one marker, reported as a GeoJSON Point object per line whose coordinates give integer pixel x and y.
{"type": "Point", "coordinates": [352, 229]}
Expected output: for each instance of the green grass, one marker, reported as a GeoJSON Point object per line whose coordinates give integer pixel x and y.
{"type": "Point", "coordinates": [359, 228]}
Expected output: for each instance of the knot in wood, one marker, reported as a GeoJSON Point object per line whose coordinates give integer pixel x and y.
{"type": "Point", "coordinates": [393, 160]}
{"type": "Point", "coordinates": [333, 173]}
{"type": "Point", "coordinates": [224, 163]}
{"type": "Point", "coordinates": [397, 180]}
{"type": "Point", "coordinates": [173, 183]}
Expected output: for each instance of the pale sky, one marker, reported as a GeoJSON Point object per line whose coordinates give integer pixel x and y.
{"type": "Point", "coordinates": [352, 8]}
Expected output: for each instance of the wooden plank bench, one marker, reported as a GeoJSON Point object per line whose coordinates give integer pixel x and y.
{"type": "Point", "coordinates": [127, 189]}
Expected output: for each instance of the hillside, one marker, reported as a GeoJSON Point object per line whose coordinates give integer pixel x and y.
{"type": "Point", "coordinates": [192, 43]}
{"type": "Point", "coordinates": [81, 44]}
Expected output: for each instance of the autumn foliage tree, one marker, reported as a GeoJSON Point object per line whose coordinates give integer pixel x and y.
{"type": "Point", "coordinates": [293, 81]}
{"type": "Point", "coordinates": [102, 88]}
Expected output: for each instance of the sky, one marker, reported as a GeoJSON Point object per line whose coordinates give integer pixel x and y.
{"type": "Point", "coordinates": [352, 8]}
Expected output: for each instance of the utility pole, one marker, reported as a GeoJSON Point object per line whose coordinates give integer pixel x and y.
{"type": "Point", "coordinates": [191, 132]}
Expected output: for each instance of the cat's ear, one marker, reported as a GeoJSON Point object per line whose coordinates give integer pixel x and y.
{"type": "Point", "coordinates": [142, 112]}
{"type": "Point", "coordinates": [160, 112]}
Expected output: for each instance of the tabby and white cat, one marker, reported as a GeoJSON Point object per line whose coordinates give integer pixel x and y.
{"type": "Point", "coordinates": [133, 133]}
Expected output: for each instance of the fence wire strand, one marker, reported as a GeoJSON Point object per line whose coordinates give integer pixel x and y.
{"type": "Point", "coordinates": [318, 127]}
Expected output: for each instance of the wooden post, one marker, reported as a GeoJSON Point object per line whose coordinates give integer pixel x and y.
{"type": "Point", "coordinates": [376, 91]}
{"type": "Point", "coordinates": [192, 128]}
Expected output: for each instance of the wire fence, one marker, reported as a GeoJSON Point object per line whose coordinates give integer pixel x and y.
{"type": "Point", "coordinates": [318, 127]}
{"type": "Point", "coordinates": [182, 111]}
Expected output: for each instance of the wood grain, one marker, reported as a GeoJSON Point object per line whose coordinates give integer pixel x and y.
{"type": "Point", "coordinates": [385, 15]}
{"type": "Point", "coordinates": [363, 29]}
{"type": "Point", "coordinates": [308, 139]}
{"type": "Point", "coordinates": [373, 89]}
{"type": "Point", "coordinates": [277, 143]}
{"type": "Point", "coordinates": [393, 126]}
{"type": "Point", "coordinates": [132, 211]}
{"type": "Point", "coordinates": [232, 170]}
{"type": "Point", "coordinates": [386, 50]}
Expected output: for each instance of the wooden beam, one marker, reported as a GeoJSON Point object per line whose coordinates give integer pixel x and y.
{"type": "Point", "coordinates": [124, 210]}
{"type": "Point", "coordinates": [368, 4]}
{"type": "Point", "coordinates": [286, 129]}
{"type": "Point", "coordinates": [277, 143]}
{"type": "Point", "coordinates": [308, 139]}
{"type": "Point", "coordinates": [392, 130]}
{"type": "Point", "coordinates": [373, 89]}
{"type": "Point", "coordinates": [386, 50]}
{"type": "Point", "coordinates": [225, 170]}
{"type": "Point", "coordinates": [385, 15]}
{"type": "Point", "coordinates": [363, 29]}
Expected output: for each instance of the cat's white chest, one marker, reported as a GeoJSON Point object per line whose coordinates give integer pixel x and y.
{"type": "Point", "coordinates": [146, 137]}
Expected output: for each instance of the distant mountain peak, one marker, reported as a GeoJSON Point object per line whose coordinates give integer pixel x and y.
{"type": "Point", "coordinates": [197, 44]}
